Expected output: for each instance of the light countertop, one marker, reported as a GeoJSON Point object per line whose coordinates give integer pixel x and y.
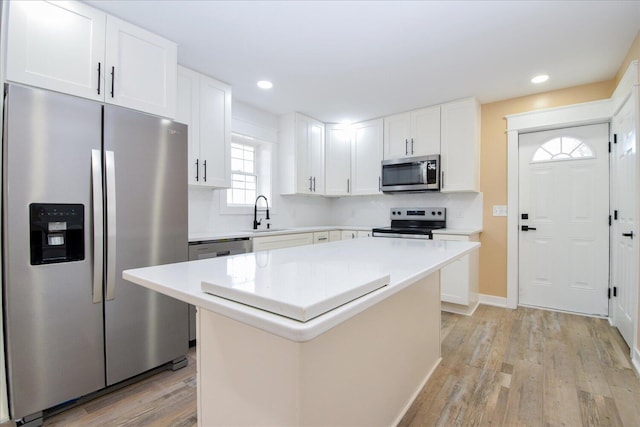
{"type": "Point", "coordinates": [239, 234]}
{"type": "Point", "coordinates": [367, 260]}
{"type": "Point", "coordinates": [458, 231]}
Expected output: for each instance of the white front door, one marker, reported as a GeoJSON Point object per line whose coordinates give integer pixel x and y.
{"type": "Point", "coordinates": [564, 219]}
{"type": "Point", "coordinates": [624, 237]}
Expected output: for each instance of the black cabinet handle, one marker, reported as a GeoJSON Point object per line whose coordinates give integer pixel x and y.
{"type": "Point", "coordinates": [412, 146]}
{"type": "Point", "coordinates": [99, 71]}
{"type": "Point", "coordinates": [314, 184]}
{"type": "Point", "coordinates": [204, 177]}
{"type": "Point", "coordinates": [406, 147]}
{"type": "Point", "coordinates": [197, 170]}
{"type": "Point", "coordinates": [347, 185]}
{"type": "Point", "coordinates": [310, 187]}
{"type": "Point", "coordinates": [629, 234]}
{"type": "Point", "coordinates": [527, 228]}
{"type": "Point", "coordinates": [113, 78]}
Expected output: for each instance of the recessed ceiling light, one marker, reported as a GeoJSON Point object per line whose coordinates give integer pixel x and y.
{"type": "Point", "coordinates": [540, 79]}
{"type": "Point", "coordinates": [265, 84]}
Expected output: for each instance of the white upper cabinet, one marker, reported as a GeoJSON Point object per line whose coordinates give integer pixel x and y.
{"type": "Point", "coordinates": [141, 69]}
{"type": "Point", "coordinates": [414, 133]}
{"type": "Point", "coordinates": [338, 160]}
{"type": "Point", "coordinates": [57, 46]}
{"type": "Point", "coordinates": [354, 154]}
{"type": "Point", "coordinates": [72, 48]}
{"type": "Point", "coordinates": [205, 105]}
{"type": "Point", "coordinates": [366, 157]}
{"type": "Point", "coordinates": [302, 155]}
{"type": "Point", "coordinates": [460, 146]}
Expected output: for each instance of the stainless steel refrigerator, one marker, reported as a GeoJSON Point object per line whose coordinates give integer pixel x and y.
{"type": "Point", "coordinates": [89, 190]}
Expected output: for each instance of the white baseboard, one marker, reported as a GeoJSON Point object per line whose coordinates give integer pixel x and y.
{"type": "Point", "coordinates": [493, 300]}
{"type": "Point", "coordinates": [635, 360]}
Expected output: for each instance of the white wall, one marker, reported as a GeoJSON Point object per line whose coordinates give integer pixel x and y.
{"type": "Point", "coordinates": [464, 210]}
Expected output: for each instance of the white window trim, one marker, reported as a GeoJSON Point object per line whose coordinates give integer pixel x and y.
{"type": "Point", "coordinates": [264, 156]}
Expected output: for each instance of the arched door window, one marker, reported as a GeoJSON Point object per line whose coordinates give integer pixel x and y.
{"type": "Point", "coordinates": [562, 148]}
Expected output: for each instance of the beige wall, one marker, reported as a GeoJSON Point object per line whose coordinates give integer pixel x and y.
{"type": "Point", "coordinates": [493, 172]}
{"type": "Point", "coordinates": [493, 166]}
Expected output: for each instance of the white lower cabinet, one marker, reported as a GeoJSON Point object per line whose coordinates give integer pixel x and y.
{"type": "Point", "coordinates": [320, 237]}
{"type": "Point", "coordinates": [282, 241]}
{"type": "Point", "coordinates": [459, 280]}
{"type": "Point", "coordinates": [355, 234]}
{"type": "Point", "coordinates": [335, 235]}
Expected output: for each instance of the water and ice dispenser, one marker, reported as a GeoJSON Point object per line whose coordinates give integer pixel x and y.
{"type": "Point", "coordinates": [57, 232]}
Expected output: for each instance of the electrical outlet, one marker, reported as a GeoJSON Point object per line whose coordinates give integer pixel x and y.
{"type": "Point", "coordinates": [499, 210]}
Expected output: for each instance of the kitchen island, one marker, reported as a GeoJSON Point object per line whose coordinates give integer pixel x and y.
{"type": "Point", "coordinates": [369, 343]}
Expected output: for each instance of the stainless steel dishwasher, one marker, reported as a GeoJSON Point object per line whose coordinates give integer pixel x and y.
{"type": "Point", "coordinates": [213, 249]}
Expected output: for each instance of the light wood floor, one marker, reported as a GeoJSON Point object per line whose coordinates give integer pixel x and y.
{"type": "Point", "coordinates": [500, 367]}
{"type": "Point", "coordinates": [529, 367]}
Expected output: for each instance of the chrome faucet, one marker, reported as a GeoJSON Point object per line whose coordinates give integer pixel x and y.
{"type": "Point", "coordinates": [256, 223]}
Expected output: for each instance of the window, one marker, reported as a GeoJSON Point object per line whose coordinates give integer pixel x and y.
{"type": "Point", "coordinates": [244, 179]}
{"type": "Point", "coordinates": [563, 148]}
{"type": "Point", "coordinates": [250, 174]}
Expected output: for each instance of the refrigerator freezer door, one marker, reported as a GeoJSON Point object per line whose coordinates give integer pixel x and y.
{"type": "Point", "coordinates": [144, 329]}
{"type": "Point", "coordinates": [54, 331]}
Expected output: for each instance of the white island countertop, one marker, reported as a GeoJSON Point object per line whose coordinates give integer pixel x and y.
{"type": "Point", "coordinates": [363, 261]}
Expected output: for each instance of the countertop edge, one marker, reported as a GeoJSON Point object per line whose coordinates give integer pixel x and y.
{"type": "Point", "coordinates": [288, 328]}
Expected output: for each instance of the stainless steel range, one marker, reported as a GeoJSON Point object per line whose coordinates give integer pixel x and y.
{"type": "Point", "coordinates": [413, 223]}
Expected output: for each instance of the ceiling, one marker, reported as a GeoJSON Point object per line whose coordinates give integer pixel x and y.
{"type": "Point", "coordinates": [355, 60]}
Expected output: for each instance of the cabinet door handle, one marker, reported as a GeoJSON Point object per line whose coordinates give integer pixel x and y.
{"type": "Point", "coordinates": [310, 187]}
{"type": "Point", "coordinates": [113, 78]}
{"type": "Point", "coordinates": [197, 170]}
{"type": "Point", "coordinates": [314, 184]}
{"type": "Point", "coordinates": [406, 147]}
{"type": "Point", "coordinates": [204, 177]}
{"type": "Point", "coordinates": [442, 179]}
{"type": "Point", "coordinates": [411, 145]}
{"type": "Point", "coordinates": [99, 71]}
{"type": "Point", "coordinates": [379, 183]}
{"type": "Point", "coordinates": [347, 185]}
{"type": "Point", "coordinates": [629, 234]}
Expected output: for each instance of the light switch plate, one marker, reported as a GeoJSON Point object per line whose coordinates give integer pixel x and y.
{"type": "Point", "coordinates": [499, 210]}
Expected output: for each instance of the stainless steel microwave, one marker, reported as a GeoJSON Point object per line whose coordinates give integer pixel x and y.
{"type": "Point", "coordinates": [411, 174]}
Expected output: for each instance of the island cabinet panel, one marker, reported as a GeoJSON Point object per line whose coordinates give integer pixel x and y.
{"type": "Point", "coordinates": [364, 371]}
{"type": "Point", "coordinates": [72, 48]}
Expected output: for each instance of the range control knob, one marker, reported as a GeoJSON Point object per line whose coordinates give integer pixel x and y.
{"type": "Point", "coordinates": [439, 212]}
{"type": "Point", "coordinates": [433, 213]}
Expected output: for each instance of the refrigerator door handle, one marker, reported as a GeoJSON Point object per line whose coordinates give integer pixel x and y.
{"type": "Point", "coordinates": [111, 224]}
{"type": "Point", "coordinates": [98, 225]}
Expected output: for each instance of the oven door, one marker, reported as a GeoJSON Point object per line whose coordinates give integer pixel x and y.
{"type": "Point", "coordinates": [411, 174]}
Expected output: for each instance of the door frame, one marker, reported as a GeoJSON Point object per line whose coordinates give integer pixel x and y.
{"type": "Point", "coordinates": [572, 115]}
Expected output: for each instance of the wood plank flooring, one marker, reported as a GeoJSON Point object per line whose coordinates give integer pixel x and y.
{"type": "Point", "coordinates": [500, 367]}
{"type": "Point", "coordinates": [529, 367]}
